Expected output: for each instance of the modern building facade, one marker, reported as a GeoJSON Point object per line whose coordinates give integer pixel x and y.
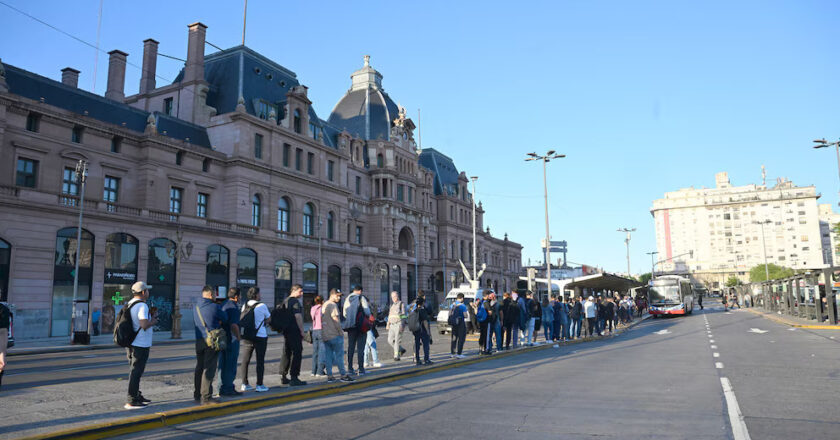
{"type": "Point", "coordinates": [715, 233]}
{"type": "Point", "coordinates": [829, 221]}
{"type": "Point", "coordinates": [227, 177]}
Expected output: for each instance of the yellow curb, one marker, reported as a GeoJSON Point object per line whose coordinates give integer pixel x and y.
{"type": "Point", "coordinates": [792, 324]}
{"type": "Point", "coordinates": [191, 414]}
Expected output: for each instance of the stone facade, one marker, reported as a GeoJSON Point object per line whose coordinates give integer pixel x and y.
{"type": "Point", "coordinates": [231, 158]}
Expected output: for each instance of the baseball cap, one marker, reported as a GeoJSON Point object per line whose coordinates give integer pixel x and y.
{"type": "Point", "coordinates": [140, 286]}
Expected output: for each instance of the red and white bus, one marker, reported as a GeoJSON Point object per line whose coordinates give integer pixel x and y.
{"type": "Point", "coordinates": [670, 295]}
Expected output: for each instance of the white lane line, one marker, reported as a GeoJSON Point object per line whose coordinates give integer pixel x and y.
{"type": "Point", "coordinates": [736, 418]}
{"type": "Point", "coordinates": [716, 354]}
{"type": "Point", "coordinates": [713, 347]}
{"type": "Point", "coordinates": [718, 365]}
{"type": "Point", "coordinates": [709, 335]}
{"type": "Point", "coordinates": [712, 341]}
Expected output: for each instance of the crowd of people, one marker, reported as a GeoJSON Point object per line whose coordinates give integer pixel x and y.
{"type": "Point", "coordinates": [232, 330]}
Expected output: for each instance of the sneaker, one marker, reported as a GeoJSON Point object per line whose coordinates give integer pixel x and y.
{"type": "Point", "coordinates": [232, 393]}
{"type": "Point", "coordinates": [262, 388]}
{"type": "Point", "coordinates": [396, 359]}
{"type": "Point", "coordinates": [134, 405]}
{"type": "Point", "coordinates": [402, 351]}
{"type": "Point", "coordinates": [330, 379]}
{"type": "Point", "coordinates": [295, 382]}
{"type": "Point", "coordinates": [362, 372]}
{"type": "Point", "coordinates": [285, 380]}
{"type": "Point", "coordinates": [418, 363]}
{"type": "Point", "coordinates": [460, 356]}
{"type": "Point", "coordinates": [246, 387]}
{"type": "Point", "coordinates": [377, 365]}
{"type": "Point", "coordinates": [143, 399]}
{"type": "Point", "coordinates": [346, 378]}
{"type": "Point", "coordinates": [429, 362]}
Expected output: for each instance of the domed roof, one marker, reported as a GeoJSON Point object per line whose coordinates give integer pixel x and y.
{"type": "Point", "coordinates": [365, 110]}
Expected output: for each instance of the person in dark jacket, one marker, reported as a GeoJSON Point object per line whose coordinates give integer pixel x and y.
{"type": "Point", "coordinates": [510, 314]}
{"type": "Point", "coordinates": [207, 316]}
{"type": "Point", "coordinates": [576, 317]}
{"type": "Point", "coordinates": [609, 315]}
{"type": "Point", "coordinates": [485, 339]}
{"type": "Point", "coordinates": [424, 335]}
{"type": "Point", "coordinates": [496, 304]}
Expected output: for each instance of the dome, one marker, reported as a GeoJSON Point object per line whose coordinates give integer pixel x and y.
{"type": "Point", "coordinates": [365, 111]}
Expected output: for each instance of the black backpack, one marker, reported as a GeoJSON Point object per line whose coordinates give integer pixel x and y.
{"type": "Point", "coordinates": [247, 323]}
{"type": "Point", "coordinates": [124, 333]}
{"type": "Point", "coordinates": [414, 321]}
{"type": "Point", "coordinates": [454, 319]}
{"type": "Point", "coordinates": [281, 317]}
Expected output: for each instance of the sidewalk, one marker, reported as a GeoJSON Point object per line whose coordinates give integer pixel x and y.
{"type": "Point", "coordinates": [83, 405]}
{"type": "Point", "coordinates": [791, 320]}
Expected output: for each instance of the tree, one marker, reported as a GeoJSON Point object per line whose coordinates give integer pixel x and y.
{"type": "Point", "coordinates": [644, 278]}
{"type": "Point", "coordinates": [776, 272]}
{"type": "Point", "coordinates": [733, 281]}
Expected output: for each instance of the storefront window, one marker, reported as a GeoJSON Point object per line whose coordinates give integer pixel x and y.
{"type": "Point", "coordinates": [246, 269]}
{"type": "Point", "coordinates": [5, 264]}
{"type": "Point", "coordinates": [161, 276]}
{"type": "Point", "coordinates": [218, 268]}
{"type": "Point", "coordinates": [66, 252]}
{"type": "Point", "coordinates": [310, 288]}
{"type": "Point", "coordinates": [355, 277]}
{"type": "Point", "coordinates": [333, 278]}
{"type": "Point", "coordinates": [120, 273]}
{"type": "Point", "coordinates": [282, 280]}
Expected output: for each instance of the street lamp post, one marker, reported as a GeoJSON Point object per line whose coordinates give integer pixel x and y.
{"type": "Point", "coordinates": [443, 249]}
{"type": "Point", "coordinates": [474, 256]}
{"type": "Point", "coordinates": [550, 154]}
{"type": "Point", "coordinates": [81, 176]}
{"type": "Point", "coordinates": [652, 264]}
{"type": "Point", "coordinates": [764, 246]}
{"type": "Point", "coordinates": [627, 242]}
{"type": "Point", "coordinates": [180, 251]}
{"type": "Point", "coordinates": [822, 143]}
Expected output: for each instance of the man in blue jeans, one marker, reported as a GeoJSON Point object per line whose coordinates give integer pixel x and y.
{"type": "Point", "coordinates": [229, 356]}
{"type": "Point", "coordinates": [207, 315]}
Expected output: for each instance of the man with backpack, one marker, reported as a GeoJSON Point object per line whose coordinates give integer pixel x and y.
{"type": "Point", "coordinates": [419, 323]}
{"type": "Point", "coordinates": [333, 337]}
{"type": "Point", "coordinates": [293, 338]}
{"type": "Point", "coordinates": [253, 321]}
{"type": "Point", "coordinates": [229, 356]}
{"type": "Point", "coordinates": [484, 315]}
{"type": "Point", "coordinates": [457, 320]}
{"type": "Point", "coordinates": [137, 351]}
{"type": "Point", "coordinates": [209, 340]}
{"type": "Point", "coordinates": [356, 310]}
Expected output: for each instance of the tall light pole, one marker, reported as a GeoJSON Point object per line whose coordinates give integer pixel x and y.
{"type": "Point", "coordinates": [550, 154]}
{"type": "Point", "coordinates": [180, 251]}
{"type": "Point", "coordinates": [443, 250]}
{"type": "Point", "coordinates": [474, 256]}
{"type": "Point", "coordinates": [764, 245]}
{"type": "Point", "coordinates": [80, 176]}
{"type": "Point", "coordinates": [627, 242]}
{"type": "Point", "coordinates": [652, 254]}
{"type": "Point", "coordinates": [822, 143]}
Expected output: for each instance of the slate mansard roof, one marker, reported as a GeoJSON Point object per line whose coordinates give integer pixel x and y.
{"type": "Point", "coordinates": [32, 86]}
{"type": "Point", "coordinates": [446, 173]}
{"type": "Point", "coordinates": [365, 111]}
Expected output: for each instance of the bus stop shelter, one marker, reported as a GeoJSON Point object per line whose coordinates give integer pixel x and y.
{"type": "Point", "coordinates": [601, 284]}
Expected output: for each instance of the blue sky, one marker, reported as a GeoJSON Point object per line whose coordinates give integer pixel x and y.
{"type": "Point", "coordinates": [644, 97]}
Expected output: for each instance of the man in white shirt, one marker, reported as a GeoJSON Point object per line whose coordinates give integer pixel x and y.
{"type": "Point", "coordinates": [590, 309]}
{"type": "Point", "coordinates": [138, 352]}
{"type": "Point", "coordinates": [259, 344]}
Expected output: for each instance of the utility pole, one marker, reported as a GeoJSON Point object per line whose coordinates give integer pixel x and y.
{"type": "Point", "coordinates": [474, 256]}
{"type": "Point", "coordinates": [551, 154]}
{"type": "Point", "coordinates": [627, 242]}
{"type": "Point", "coordinates": [652, 264]}
{"type": "Point", "coordinates": [81, 176]}
{"type": "Point", "coordinates": [443, 249]}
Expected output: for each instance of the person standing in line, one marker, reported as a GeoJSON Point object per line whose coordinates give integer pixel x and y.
{"type": "Point", "coordinates": [580, 315]}
{"type": "Point", "coordinates": [332, 350]}
{"type": "Point", "coordinates": [423, 336]}
{"type": "Point", "coordinates": [317, 360]}
{"type": "Point", "coordinates": [485, 339]}
{"type": "Point", "coordinates": [293, 338]}
{"type": "Point", "coordinates": [591, 312]}
{"type": "Point", "coordinates": [5, 325]}
{"type": "Point", "coordinates": [524, 317]}
{"type": "Point", "coordinates": [371, 352]}
{"type": "Point", "coordinates": [356, 309]}
{"type": "Point", "coordinates": [229, 356]}
{"type": "Point", "coordinates": [510, 314]}
{"type": "Point", "coordinates": [548, 318]}
{"type": "Point", "coordinates": [472, 321]}
{"type": "Point", "coordinates": [395, 325]}
{"type": "Point", "coordinates": [562, 319]}
{"type": "Point", "coordinates": [497, 321]}
{"type": "Point", "coordinates": [609, 315]}
{"type": "Point", "coordinates": [138, 352]}
{"type": "Point", "coordinates": [459, 329]}
{"type": "Point", "coordinates": [259, 343]}
{"type": "Point", "coordinates": [207, 315]}
{"type": "Point", "coordinates": [600, 315]}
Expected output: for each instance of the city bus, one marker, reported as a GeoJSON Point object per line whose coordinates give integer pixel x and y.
{"type": "Point", "coordinates": [670, 295]}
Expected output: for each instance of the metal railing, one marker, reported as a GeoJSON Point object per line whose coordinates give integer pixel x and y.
{"type": "Point", "coordinates": [809, 295]}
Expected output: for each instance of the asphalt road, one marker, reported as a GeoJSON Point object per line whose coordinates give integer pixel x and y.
{"type": "Point", "coordinates": [662, 380]}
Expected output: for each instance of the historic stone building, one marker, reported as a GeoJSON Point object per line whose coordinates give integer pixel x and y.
{"type": "Point", "coordinates": [226, 177]}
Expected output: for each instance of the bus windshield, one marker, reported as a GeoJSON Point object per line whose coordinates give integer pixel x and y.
{"type": "Point", "coordinates": [664, 294]}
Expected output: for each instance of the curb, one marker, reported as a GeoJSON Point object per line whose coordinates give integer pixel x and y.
{"type": "Point", "coordinates": [792, 324]}
{"type": "Point", "coordinates": [185, 415]}
{"type": "Point", "coordinates": [72, 348]}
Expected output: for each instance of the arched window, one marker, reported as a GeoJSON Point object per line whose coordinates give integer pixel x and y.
{"type": "Point", "coordinates": [330, 226]}
{"type": "Point", "coordinates": [160, 273]}
{"type": "Point", "coordinates": [256, 205]}
{"type": "Point", "coordinates": [282, 280]}
{"type": "Point", "coordinates": [333, 277]}
{"type": "Point", "coordinates": [283, 214]}
{"type": "Point", "coordinates": [406, 239]}
{"type": "Point", "coordinates": [5, 264]}
{"type": "Point", "coordinates": [67, 251]}
{"type": "Point", "coordinates": [396, 283]}
{"type": "Point", "coordinates": [308, 214]}
{"type": "Point", "coordinates": [411, 282]}
{"type": "Point", "coordinates": [380, 161]}
{"type": "Point", "coordinates": [438, 281]}
{"type": "Point", "coordinates": [297, 121]}
{"type": "Point", "coordinates": [120, 273]}
{"type": "Point", "coordinates": [205, 165]}
{"type": "Point", "coordinates": [246, 268]}
{"type": "Point", "coordinates": [355, 277]}
{"type": "Point", "coordinates": [310, 288]}
{"type": "Point", "coordinates": [217, 273]}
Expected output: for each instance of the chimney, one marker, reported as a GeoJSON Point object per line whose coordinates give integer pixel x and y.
{"type": "Point", "coordinates": [147, 76]}
{"type": "Point", "coordinates": [116, 75]}
{"type": "Point", "coordinates": [194, 70]}
{"type": "Point", "coordinates": [70, 77]}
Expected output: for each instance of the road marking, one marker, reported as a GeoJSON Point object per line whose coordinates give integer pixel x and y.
{"type": "Point", "coordinates": [718, 365]}
{"type": "Point", "coordinates": [713, 347]}
{"type": "Point", "coordinates": [736, 418]}
{"type": "Point", "coordinates": [716, 354]}
{"type": "Point", "coordinates": [792, 329]}
{"type": "Point", "coordinates": [757, 330]}
{"type": "Point", "coordinates": [709, 335]}
{"type": "Point", "coordinates": [712, 341]}
{"type": "Point", "coordinates": [90, 356]}
{"type": "Point", "coordinates": [88, 367]}
{"type": "Point", "coordinates": [662, 332]}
